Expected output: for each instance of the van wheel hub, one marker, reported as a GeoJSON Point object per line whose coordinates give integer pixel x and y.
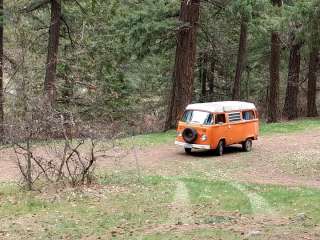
{"type": "Point", "coordinates": [247, 145]}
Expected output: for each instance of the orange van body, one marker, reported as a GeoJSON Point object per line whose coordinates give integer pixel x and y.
{"type": "Point", "coordinates": [240, 124]}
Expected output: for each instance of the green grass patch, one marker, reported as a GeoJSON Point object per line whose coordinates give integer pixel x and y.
{"type": "Point", "coordinates": [126, 205]}
{"type": "Point", "coordinates": [149, 140]}
{"type": "Point", "coordinates": [291, 201]}
{"type": "Point", "coordinates": [15, 201]}
{"type": "Point", "coordinates": [217, 195]}
{"type": "Point", "coordinates": [289, 127]}
{"type": "Point", "coordinates": [120, 203]}
{"type": "Point", "coordinates": [127, 178]}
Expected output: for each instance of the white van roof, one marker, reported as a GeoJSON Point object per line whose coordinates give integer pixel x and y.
{"type": "Point", "coordinates": [222, 106]}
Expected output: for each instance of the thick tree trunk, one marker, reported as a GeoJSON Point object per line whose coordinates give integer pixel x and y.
{"type": "Point", "coordinates": [1, 76]}
{"type": "Point", "coordinates": [274, 85]}
{"type": "Point", "coordinates": [53, 48]}
{"type": "Point", "coordinates": [182, 87]}
{"type": "Point", "coordinates": [291, 102]}
{"type": "Point", "coordinates": [242, 52]}
{"type": "Point", "coordinates": [312, 82]}
{"type": "Point", "coordinates": [211, 79]}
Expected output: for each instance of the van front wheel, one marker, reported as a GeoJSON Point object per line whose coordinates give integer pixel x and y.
{"type": "Point", "coordinates": [247, 145]}
{"type": "Point", "coordinates": [188, 150]}
{"type": "Point", "coordinates": [220, 148]}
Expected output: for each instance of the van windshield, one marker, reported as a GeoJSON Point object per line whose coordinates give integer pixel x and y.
{"type": "Point", "coordinates": [201, 117]}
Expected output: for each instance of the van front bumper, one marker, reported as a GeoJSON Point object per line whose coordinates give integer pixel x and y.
{"type": "Point", "coordinates": [197, 146]}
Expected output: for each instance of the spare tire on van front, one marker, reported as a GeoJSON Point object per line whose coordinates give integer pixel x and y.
{"type": "Point", "coordinates": [189, 135]}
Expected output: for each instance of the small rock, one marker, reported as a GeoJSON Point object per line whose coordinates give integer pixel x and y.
{"type": "Point", "coordinates": [301, 217]}
{"type": "Point", "coordinates": [253, 234]}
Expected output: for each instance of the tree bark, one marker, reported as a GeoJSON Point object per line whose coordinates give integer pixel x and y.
{"type": "Point", "coordinates": [312, 82]}
{"type": "Point", "coordinates": [291, 102]}
{"type": "Point", "coordinates": [211, 79]}
{"type": "Point", "coordinates": [204, 76]}
{"type": "Point", "coordinates": [1, 75]}
{"type": "Point", "coordinates": [274, 85]}
{"type": "Point", "coordinates": [68, 86]}
{"type": "Point", "coordinates": [242, 52]}
{"type": "Point", "coordinates": [53, 48]}
{"type": "Point", "coordinates": [248, 83]}
{"type": "Point", "coordinates": [183, 74]}
{"type": "Point", "coordinates": [277, 3]}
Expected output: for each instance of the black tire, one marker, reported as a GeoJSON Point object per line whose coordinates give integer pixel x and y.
{"type": "Point", "coordinates": [188, 150]}
{"type": "Point", "coordinates": [247, 145]}
{"type": "Point", "coordinates": [220, 148]}
{"type": "Point", "coordinates": [189, 135]}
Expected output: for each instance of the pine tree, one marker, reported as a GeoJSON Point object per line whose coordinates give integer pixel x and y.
{"type": "Point", "coordinates": [182, 86]}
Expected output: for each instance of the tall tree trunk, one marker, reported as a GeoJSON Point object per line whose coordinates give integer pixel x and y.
{"type": "Point", "coordinates": [312, 82]}
{"type": "Point", "coordinates": [291, 102]}
{"type": "Point", "coordinates": [204, 76]}
{"type": "Point", "coordinates": [274, 85]}
{"type": "Point", "coordinates": [242, 52]}
{"type": "Point", "coordinates": [211, 79]}
{"type": "Point", "coordinates": [68, 86]}
{"type": "Point", "coordinates": [1, 75]}
{"type": "Point", "coordinates": [248, 83]}
{"type": "Point", "coordinates": [182, 87]}
{"type": "Point", "coordinates": [53, 48]}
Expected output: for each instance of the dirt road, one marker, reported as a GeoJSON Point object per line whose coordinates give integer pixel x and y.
{"type": "Point", "coordinates": [292, 159]}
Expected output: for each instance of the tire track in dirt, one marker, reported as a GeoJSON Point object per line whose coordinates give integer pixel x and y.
{"type": "Point", "coordinates": [259, 205]}
{"type": "Point", "coordinates": [181, 212]}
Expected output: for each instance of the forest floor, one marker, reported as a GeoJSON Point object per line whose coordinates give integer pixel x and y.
{"type": "Point", "coordinates": [159, 192]}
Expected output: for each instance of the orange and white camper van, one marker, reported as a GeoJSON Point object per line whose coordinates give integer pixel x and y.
{"type": "Point", "coordinates": [218, 124]}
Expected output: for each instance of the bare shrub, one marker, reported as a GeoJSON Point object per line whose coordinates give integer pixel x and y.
{"type": "Point", "coordinates": [73, 166]}
{"type": "Point", "coordinates": [57, 147]}
{"type": "Point", "coordinates": [50, 148]}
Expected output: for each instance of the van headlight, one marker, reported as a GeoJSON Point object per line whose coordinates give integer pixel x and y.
{"type": "Point", "coordinates": [179, 134]}
{"type": "Point", "coordinates": [204, 137]}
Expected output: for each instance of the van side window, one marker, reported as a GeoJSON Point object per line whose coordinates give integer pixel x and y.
{"type": "Point", "coordinates": [248, 115]}
{"type": "Point", "coordinates": [220, 118]}
{"type": "Point", "coordinates": [234, 116]}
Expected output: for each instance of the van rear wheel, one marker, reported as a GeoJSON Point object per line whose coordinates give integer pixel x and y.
{"type": "Point", "coordinates": [188, 150]}
{"type": "Point", "coordinates": [220, 148]}
{"type": "Point", "coordinates": [247, 145]}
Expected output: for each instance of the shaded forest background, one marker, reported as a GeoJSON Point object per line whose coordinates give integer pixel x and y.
{"type": "Point", "coordinates": [134, 65]}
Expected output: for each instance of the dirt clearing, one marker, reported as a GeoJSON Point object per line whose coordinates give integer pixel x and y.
{"type": "Point", "coordinates": [161, 193]}
{"type": "Point", "coordinates": [292, 160]}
